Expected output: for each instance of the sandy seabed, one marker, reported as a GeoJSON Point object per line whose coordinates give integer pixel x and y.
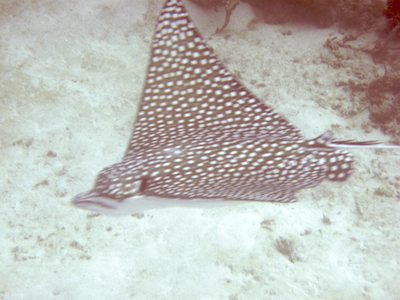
{"type": "Point", "coordinates": [70, 81]}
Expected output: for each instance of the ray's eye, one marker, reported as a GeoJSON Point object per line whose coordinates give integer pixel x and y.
{"type": "Point", "coordinates": [143, 185]}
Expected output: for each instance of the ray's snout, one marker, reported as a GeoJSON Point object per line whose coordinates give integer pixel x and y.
{"type": "Point", "coordinates": [92, 201]}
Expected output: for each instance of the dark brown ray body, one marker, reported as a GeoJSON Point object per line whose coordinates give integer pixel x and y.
{"type": "Point", "coordinates": [200, 134]}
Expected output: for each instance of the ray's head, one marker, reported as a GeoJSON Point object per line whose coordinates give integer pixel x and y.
{"type": "Point", "coordinates": [114, 185]}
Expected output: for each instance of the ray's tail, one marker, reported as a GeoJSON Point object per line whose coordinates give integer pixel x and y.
{"type": "Point", "coordinates": [326, 140]}
{"type": "Point", "coordinates": [364, 144]}
{"type": "Point", "coordinates": [337, 160]}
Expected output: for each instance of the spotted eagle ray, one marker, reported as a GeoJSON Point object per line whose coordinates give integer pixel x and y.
{"type": "Point", "coordinates": [201, 137]}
